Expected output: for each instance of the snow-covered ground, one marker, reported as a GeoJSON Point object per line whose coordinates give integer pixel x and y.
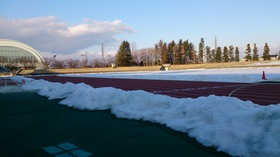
{"type": "Point", "coordinates": [247, 75]}
{"type": "Point", "coordinates": [239, 128]}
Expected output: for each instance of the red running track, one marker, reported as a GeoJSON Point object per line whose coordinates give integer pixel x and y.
{"type": "Point", "coordinates": [5, 81]}
{"type": "Point", "coordinates": [259, 93]}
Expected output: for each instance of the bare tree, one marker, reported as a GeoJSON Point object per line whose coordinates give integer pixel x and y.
{"type": "Point", "coordinates": [3, 60]}
{"type": "Point", "coordinates": [146, 56]}
{"type": "Point", "coordinates": [48, 62]}
{"type": "Point", "coordinates": [73, 63]}
{"type": "Point", "coordinates": [58, 64]}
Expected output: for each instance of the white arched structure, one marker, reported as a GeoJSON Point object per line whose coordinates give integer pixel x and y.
{"type": "Point", "coordinates": [9, 48]}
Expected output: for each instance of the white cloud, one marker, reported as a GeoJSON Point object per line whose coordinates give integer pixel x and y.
{"type": "Point", "coordinates": [49, 34]}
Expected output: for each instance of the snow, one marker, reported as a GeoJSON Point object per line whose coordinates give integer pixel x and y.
{"type": "Point", "coordinates": [10, 89]}
{"type": "Point", "coordinates": [247, 75]}
{"type": "Point", "coordinates": [239, 128]}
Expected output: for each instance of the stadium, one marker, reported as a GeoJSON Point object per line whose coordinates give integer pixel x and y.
{"type": "Point", "coordinates": [19, 55]}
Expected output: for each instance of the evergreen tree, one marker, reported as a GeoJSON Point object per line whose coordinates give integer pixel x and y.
{"type": "Point", "coordinates": [225, 54]}
{"type": "Point", "coordinates": [164, 56]}
{"type": "Point", "coordinates": [124, 57]}
{"type": "Point", "coordinates": [255, 53]}
{"type": "Point", "coordinates": [248, 56]}
{"type": "Point", "coordinates": [213, 56]}
{"type": "Point", "coordinates": [158, 48]}
{"type": "Point", "coordinates": [192, 53]}
{"type": "Point", "coordinates": [236, 57]}
{"type": "Point", "coordinates": [208, 54]}
{"type": "Point", "coordinates": [172, 48]}
{"type": "Point", "coordinates": [266, 55]}
{"type": "Point", "coordinates": [219, 55]}
{"type": "Point", "coordinates": [230, 53]}
{"type": "Point", "coordinates": [201, 50]}
{"type": "Point", "coordinates": [179, 57]}
{"type": "Point", "coordinates": [186, 50]}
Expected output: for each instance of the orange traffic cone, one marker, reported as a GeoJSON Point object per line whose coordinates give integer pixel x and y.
{"type": "Point", "coordinates": [263, 76]}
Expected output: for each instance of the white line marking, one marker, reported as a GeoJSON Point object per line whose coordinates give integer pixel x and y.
{"type": "Point", "coordinates": [242, 88]}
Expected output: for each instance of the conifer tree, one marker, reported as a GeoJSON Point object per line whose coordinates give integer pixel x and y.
{"type": "Point", "coordinates": [236, 57]}
{"type": "Point", "coordinates": [164, 56]}
{"type": "Point", "coordinates": [179, 52]}
{"type": "Point", "coordinates": [213, 56]}
{"type": "Point", "coordinates": [124, 57]}
{"type": "Point", "coordinates": [255, 53]}
{"type": "Point", "coordinates": [186, 50]}
{"type": "Point", "coordinates": [225, 54]}
{"type": "Point", "coordinates": [248, 56]}
{"type": "Point", "coordinates": [219, 55]}
{"type": "Point", "coordinates": [230, 53]}
{"type": "Point", "coordinates": [201, 50]}
{"type": "Point", "coordinates": [171, 48]}
{"type": "Point", "coordinates": [266, 55]}
{"type": "Point", "coordinates": [192, 53]}
{"type": "Point", "coordinates": [208, 54]}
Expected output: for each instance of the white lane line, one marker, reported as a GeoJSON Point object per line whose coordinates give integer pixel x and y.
{"type": "Point", "coordinates": [237, 89]}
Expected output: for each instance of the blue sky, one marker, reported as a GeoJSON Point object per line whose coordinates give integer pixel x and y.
{"type": "Point", "coordinates": [144, 22]}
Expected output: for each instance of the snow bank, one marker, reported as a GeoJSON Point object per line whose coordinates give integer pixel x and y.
{"type": "Point", "coordinates": [9, 89]}
{"type": "Point", "coordinates": [239, 128]}
{"type": "Point", "coordinates": [247, 75]}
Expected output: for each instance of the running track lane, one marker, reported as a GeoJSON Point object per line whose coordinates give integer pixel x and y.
{"type": "Point", "coordinates": [260, 93]}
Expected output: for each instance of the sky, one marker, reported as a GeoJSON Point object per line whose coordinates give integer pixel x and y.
{"type": "Point", "coordinates": [71, 28]}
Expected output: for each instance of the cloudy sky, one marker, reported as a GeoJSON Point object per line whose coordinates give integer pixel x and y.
{"type": "Point", "coordinates": [70, 28]}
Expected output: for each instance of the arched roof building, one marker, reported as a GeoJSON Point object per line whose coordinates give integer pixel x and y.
{"type": "Point", "coordinates": [18, 54]}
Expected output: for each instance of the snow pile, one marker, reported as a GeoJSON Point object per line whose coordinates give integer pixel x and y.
{"type": "Point", "coordinates": [239, 128]}
{"type": "Point", "coordinates": [9, 89]}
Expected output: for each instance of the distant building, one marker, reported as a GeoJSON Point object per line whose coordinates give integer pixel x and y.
{"type": "Point", "coordinates": [17, 54]}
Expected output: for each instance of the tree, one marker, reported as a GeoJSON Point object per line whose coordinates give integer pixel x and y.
{"type": "Point", "coordinates": [192, 53]}
{"type": "Point", "coordinates": [124, 57]}
{"type": "Point", "coordinates": [164, 56]}
{"type": "Point", "coordinates": [213, 56]}
{"type": "Point", "coordinates": [187, 51]}
{"type": "Point", "coordinates": [58, 64]}
{"type": "Point", "coordinates": [201, 50]}
{"type": "Point", "coordinates": [219, 55]}
{"type": "Point", "coordinates": [172, 49]}
{"type": "Point", "coordinates": [158, 48]}
{"type": "Point", "coordinates": [255, 53]}
{"type": "Point", "coordinates": [236, 57]}
{"type": "Point", "coordinates": [248, 56]}
{"type": "Point", "coordinates": [266, 55]}
{"type": "Point", "coordinates": [180, 52]}
{"type": "Point", "coordinates": [73, 63]}
{"type": "Point", "coordinates": [230, 53]}
{"type": "Point", "coordinates": [3, 60]}
{"type": "Point", "coordinates": [225, 54]}
{"type": "Point", "coordinates": [208, 54]}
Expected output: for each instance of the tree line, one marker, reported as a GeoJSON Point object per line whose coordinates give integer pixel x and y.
{"type": "Point", "coordinates": [184, 52]}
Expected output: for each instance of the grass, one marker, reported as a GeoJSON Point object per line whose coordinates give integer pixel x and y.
{"type": "Point", "coordinates": [150, 68]}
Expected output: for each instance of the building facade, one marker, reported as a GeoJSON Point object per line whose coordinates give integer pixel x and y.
{"type": "Point", "coordinates": [17, 54]}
